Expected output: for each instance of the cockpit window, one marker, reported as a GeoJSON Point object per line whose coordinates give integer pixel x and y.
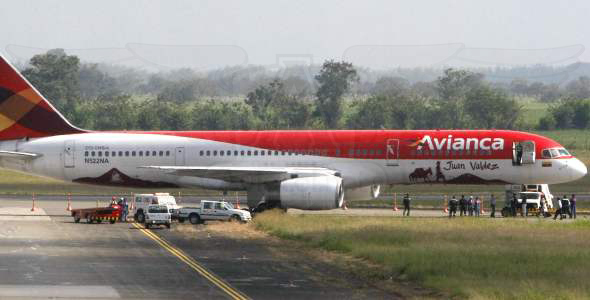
{"type": "Point", "coordinates": [553, 153]}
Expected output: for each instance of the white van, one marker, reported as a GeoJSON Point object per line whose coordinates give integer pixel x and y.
{"type": "Point", "coordinates": [142, 201]}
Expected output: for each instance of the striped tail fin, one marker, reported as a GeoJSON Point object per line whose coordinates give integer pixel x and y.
{"type": "Point", "coordinates": [24, 112]}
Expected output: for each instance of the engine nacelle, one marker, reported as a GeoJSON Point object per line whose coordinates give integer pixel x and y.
{"type": "Point", "coordinates": [363, 193]}
{"type": "Point", "coordinates": [312, 193]}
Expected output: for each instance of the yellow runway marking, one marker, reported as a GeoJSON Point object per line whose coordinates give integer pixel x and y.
{"type": "Point", "coordinates": [220, 283]}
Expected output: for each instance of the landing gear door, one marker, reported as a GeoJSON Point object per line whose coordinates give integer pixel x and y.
{"type": "Point", "coordinates": [69, 153]}
{"type": "Point", "coordinates": [392, 152]}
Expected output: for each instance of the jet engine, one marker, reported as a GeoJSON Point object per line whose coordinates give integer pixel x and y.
{"type": "Point", "coordinates": [363, 193]}
{"type": "Point", "coordinates": [312, 193]}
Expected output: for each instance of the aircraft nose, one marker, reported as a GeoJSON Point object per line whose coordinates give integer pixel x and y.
{"type": "Point", "coordinates": [577, 169]}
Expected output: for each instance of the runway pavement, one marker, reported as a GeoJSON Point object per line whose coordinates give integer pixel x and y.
{"type": "Point", "coordinates": [44, 254]}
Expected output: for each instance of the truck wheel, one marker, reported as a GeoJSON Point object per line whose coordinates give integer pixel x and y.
{"type": "Point", "coordinates": [180, 220]}
{"type": "Point", "coordinates": [168, 225]}
{"type": "Point", "coordinates": [77, 218]}
{"type": "Point", "coordinates": [140, 217]}
{"type": "Point", "coordinates": [112, 221]}
{"type": "Point", "coordinates": [98, 221]}
{"type": "Point", "coordinates": [194, 219]}
{"type": "Point", "coordinates": [147, 225]}
{"type": "Point", "coordinates": [235, 218]}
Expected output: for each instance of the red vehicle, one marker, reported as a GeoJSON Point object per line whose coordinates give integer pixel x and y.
{"type": "Point", "coordinates": [98, 214]}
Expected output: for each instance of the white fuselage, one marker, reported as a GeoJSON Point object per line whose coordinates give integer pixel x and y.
{"type": "Point", "coordinates": [76, 156]}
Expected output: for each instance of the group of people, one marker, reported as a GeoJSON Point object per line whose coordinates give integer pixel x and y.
{"type": "Point", "coordinates": [566, 207]}
{"type": "Point", "coordinates": [470, 206]}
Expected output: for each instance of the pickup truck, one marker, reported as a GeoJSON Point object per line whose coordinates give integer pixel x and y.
{"type": "Point", "coordinates": [213, 210]}
{"type": "Point", "coordinates": [157, 215]}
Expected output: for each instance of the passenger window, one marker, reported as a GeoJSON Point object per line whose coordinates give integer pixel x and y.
{"type": "Point", "coordinates": [99, 153]}
{"type": "Point", "coordinates": [208, 153]}
{"type": "Point", "coordinates": [106, 153]}
{"type": "Point", "coordinates": [147, 153]}
{"type": "Point", "coordinates": [276, 152]}
{"type": "Point", "coordinates": [114, 153]}
{"type": "Point", "coordinates": [93, 153]}
{"type": "Point", "coordinates": [161, 153]}
{"type": "Point", "coordinates": [218, 205]}
{"type": "Point", "coordinates": [379, 152]}
{"type": "Point", "coordinates": [120, 153]}
{"type": "Point", "coordinates": [221, 153]}
{"type": "Point", "coordinates": [207, 205]}
{"type": "Point", "coordinates": [269, 152]}
{"type": "Point", "coordinates": [228, 153]}
{"type": "Point", "coordinates": [86, 153]}
{"type": "Point", "coordinates": [153, 153]}
{"type": "Point", "coordinates": [364, 151]}
{"type": "Point", "coordinates": [350, 152]}
{"type": "Point", "coordinates": [255, 152]}
{"type": "Point", "coordinates": [242, 153]}
{"type": "Point", "coordinates": [372, 152]}
{"type": "Point", "coordinates": [337, 152]}
{"type": "Point", "coordinates": [133, 153]}
{"type": "Point", "coordinates": [140, 153]}
{"type": "Point", "coordinates": [214, 152]}
{"type": "Point", "coordinates": [249, 152]}
{"type": "Point", "coordinates": [167, 153]}
{"type": "Point", "coordinates": [235, 152]}
{"type": "Point", "coordinates": [262, 152]}
{"type": "Point", "coordinates": [126, 153]}
{"type": "Point", "coordinates": [201, 153]}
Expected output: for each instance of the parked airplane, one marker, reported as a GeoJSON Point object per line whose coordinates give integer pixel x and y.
{"type": "Point", "coordinates": [297, 168]}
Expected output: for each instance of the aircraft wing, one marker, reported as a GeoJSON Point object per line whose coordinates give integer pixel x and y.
{"type": "Point", "coordinates": [18, 155]}
{"type": "Point", "coordinates": [243, 174]}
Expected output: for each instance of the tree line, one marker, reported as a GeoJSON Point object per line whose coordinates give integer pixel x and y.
{"type": "Point", "coordinates": [91, 98]}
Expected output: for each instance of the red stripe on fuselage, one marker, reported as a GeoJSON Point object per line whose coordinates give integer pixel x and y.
{"type": "Point", "coordinates": [338, 143]}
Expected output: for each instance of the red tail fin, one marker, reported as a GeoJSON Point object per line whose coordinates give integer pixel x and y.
{"type": "Point", "coordinates": [24, 112]}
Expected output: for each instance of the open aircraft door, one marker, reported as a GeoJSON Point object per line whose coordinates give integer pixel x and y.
{"type": "Point", "coordinates": [392, 152]}
{"type": "Point", "coordinates": [523, 153]}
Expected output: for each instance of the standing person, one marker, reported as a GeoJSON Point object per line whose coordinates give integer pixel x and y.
{"type": "Point", "coordinates": [406, 202]}
{"type": "Point", "coordinates": [493, 206]}
{"type": "Point", "coordinates": [544, 206]}
{"type": "Point", "coordinates": [477, 206]}
{"type": "Point", "coordinates": [573, 205]}
{"type": "Point", "coordinates": [566, 206]}
{"type": "Point", "coordinates": [514, 205]}
{"type": "Point", "coordinates": [453, 204]}
{"type": "Point", "coordinates": [559, 210]}
{"type": "Point", "coordinates": [470, 205]}
{"type": "Point", "coordinates": [523, 208]}
{"type": "Point", "coordinates": [125, 210]}
{"type": "Point", "coordinates": [463, 206]}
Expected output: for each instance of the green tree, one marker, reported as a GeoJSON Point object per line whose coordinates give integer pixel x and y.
{"type": "Point", "coordinates": [452, 89]}
{"type": "Point", "coordinates": [491, 108]}
{"type": "Point", "coordinates": [55, 75]}
{"type": "Point", "coordinates": [334, 79]}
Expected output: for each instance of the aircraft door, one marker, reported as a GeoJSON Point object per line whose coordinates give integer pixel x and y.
{"type": "Point", "coordinates": [69, 153]}
{"type": "Point", "coordinates": [179, 156]}
{"type": "Point", "coordinates": [392, 152]}
{"type": "Point", "coordinates": [523, 153]}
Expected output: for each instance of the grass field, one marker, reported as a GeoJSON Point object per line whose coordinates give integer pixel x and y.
{"type": "Point", "coordinates": [463, 257]}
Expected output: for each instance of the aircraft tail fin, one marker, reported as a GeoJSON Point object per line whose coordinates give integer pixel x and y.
{"type": "Point", "coordinates": [24, 112]}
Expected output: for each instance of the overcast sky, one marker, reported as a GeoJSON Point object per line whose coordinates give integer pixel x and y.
{"type": "Point", "coordinates": [387, 33]}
